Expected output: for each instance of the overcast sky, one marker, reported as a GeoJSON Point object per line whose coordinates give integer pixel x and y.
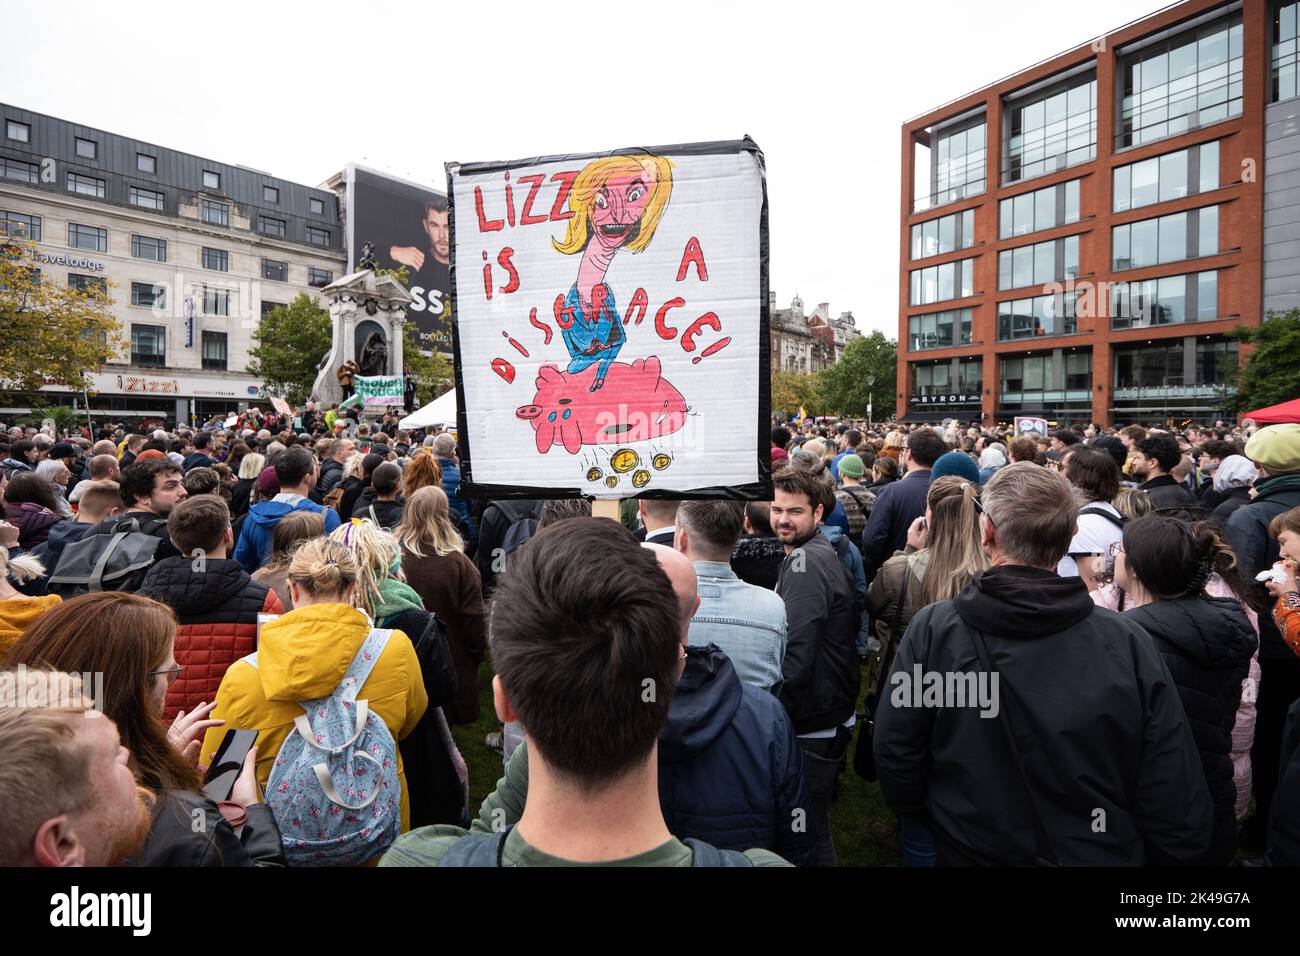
{"type": "Point", "coordinates": [298, 90]}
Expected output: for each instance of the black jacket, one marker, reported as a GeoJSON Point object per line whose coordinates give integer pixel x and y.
{"type": "Point", "coordinates": [1284, 823]}
{"type": "Point", "coordinates": [1230, 501]}
{"type": "Point", "coordinates": [757, 560]}
{"type": "Point", "coordinates": [189, 830]}
{"type": "Point", "coordinates": [240, 496]}
{"type": "Point", "coordinates": [353, 488]}
{"type": "Point", "coordinates": [730, 769]}
{"type": "Point", "coordinates": [1247, 534]}
{"type": "Point", "coordinates": [331, 473]}
{"type": "Point", "coordinates": [432, 784]}
{"type": "Point", "coordinates": [1167, 493]}
{"type": "Point", "coordinates": [821, 669]}
{"type": "Point", "coordinates": [196, 459]}
{"type": "Point", "coordinates": [1098, 724]}
{"type": "Point", "coordinates": [387, 513]}
{"type": "Point", "coordinates": [897, 505]}
{"type": "Point", "coordinates": [498, 516]}
{"type": "Point", "coordinates": [1207, 644]}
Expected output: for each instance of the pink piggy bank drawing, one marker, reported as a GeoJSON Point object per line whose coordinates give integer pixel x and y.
{"type": "Point", "coordinates": [635, 404]}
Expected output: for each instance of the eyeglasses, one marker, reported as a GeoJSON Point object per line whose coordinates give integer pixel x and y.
{"type": "Point", "coordinates": [1116, 548]}
{"type": "Point", "coordinates": [171, 672]}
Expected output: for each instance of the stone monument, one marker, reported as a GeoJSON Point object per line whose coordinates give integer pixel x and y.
{"type": "Point", "coordinates": [368, 313]}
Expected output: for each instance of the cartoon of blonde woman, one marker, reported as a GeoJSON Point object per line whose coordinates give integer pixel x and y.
{"type": "Point", "coordinates": [617, 203]}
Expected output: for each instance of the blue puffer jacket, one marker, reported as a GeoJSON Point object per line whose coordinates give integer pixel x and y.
{"type": "Point", "coordinates": [451, 485]}
{"type": "Point", "coordinates": [730, 769]}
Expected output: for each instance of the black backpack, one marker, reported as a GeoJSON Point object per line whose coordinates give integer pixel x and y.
{"type": "Point", "coordinates": [116, 561]}
{"type": "Point", "coordinates": [485, 849]}
{"type": "Point", "coordinates": [523, 519]}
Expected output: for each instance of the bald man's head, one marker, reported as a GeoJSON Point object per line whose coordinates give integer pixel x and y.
{"type": "Point", "coordinates": [681, 575]}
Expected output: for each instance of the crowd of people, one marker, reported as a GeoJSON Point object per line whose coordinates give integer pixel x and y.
{"type": "Point", "coordinates": [1071, 649]}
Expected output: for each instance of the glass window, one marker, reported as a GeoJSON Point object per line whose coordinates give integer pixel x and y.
{"type": "Point", "coordinates": [968, 229]}
{"type": "Point", "coordinates": [319, 277]}
{"type": "Point", "coordinates": [1209, 166]}
{"type": "Point", "coordinates": [1121, 188]}
{"type": "Point", "coordinates": [271, 227]}
{"type": "Point", "coordinates": [1044, 263]}
{"type": "Point", "coordinates": [216, 259]}
{"type": "Point", "coordinates": [1144, 243]}
{"type": "Point", "coordinates": [145, 198]}
{"type": "Point", "coordinates": [318, 237]}
{"type": "Point", "coordinates": [947, 234]}
{"type": "Point", "coordinates": [216, 301]}
{"type": "Point", "coordinates": [1044, 209]}
{"type": "Point", "coordinates": [275, 270]}
{"type": "Point", "coordinates": [1054, 129]}
{"type": "Point", "coordinates": [211, 180]}
{"type": "Point", "coordinates": [1171, 300]}
{"type": "Point", "coordinates": [930, 237]}
{"type": "Point", "coordinates": [947, 281]}
{"type": "Point", "coordinates": [957, 163]}
{"type": "Point", "coordinates": [95, 285]}
{"type": "Point", "coordinates": [23, 172]}
{"type": "Point", "coordinates": [87, 148]}
{"type": "Point", "coordinates": [1121, 256]}
{"type": "Point", "coordinates": [87, 237]}
{"type": "Point", "coordinates": [146, 163]}
{"type": "Point", "coordinates": [1284, 50]}
{"type": "Point", "coordinates": [1146, 182]}
{"type": "Point", "coordinates": [214, 350]}
{"type": "Point", "coordinates": [270, 194]}
{"type": "Point", "coordinates": [85, 185]}
{"type": "Point", "coordinates": [216, 213]}
{"type": "Point", "coordinates": [1173, 237]}
{"type": "Point", "coordinates": [1208, 235]}
{"type": "Point", "coordinates": [1005, 259]}
{"type": "Point", "coordinates": [144, 294]}
{"type": "Point", "coordinates": [1072, 201]}
{"type": "Point", "coordinates": [1207, 296]}
{"type": "Point", "coordinates": [143, 247]}
{"type": "Point", "coordinates": [269, 307]}
{"type": "Point", "coordinates": [938, 330]}
{"type": "Point", "coordinates": [1191, 79]}
{"type": "Point", "coordinates": [148, 344]}
{"type": "Point", "coordinates": [1071, 257]}
{"type": "Point", "coordinates": [1024, 214]}
{"type": "Point", "coordinates": [1173, 175]}
{"type": "Point", "coordinates": [20, 226]}
{"type": "Point", "coordinates": [317, 206]}
{"type": "Point", "coordinates": [18, 132]}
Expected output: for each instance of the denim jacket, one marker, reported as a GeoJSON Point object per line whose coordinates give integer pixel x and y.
{"type": "Point", "coordinates": [746, 621]}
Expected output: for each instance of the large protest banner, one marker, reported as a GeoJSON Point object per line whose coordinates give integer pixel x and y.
{"type": "Point", "coordinates": [409, 227]}
{"type": "Point", "coordinates": [611, 327]}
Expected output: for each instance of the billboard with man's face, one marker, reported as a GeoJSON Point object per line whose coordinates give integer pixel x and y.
{"type": "Point", "coordinates": [408, 226]}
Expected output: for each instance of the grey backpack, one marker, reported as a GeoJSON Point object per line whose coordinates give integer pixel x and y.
{"type": "Point", "coordinates": [116, 561]}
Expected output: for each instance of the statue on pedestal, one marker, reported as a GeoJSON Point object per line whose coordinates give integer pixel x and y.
{"type": "Point", "coordinates": [368, 260]}
{"type": "Point", "coordinates": [374, 355]}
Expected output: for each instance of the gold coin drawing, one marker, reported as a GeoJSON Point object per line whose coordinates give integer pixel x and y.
{"type": "Point", "coordinates": [625, 459]}
{"type": "Point", "coordinates": [640, 478]}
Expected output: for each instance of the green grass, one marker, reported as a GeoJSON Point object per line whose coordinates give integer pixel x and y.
{"type": "Point", "coordinates": [857, 806]}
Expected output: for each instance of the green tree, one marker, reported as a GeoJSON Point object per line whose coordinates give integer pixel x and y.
{"type": "Point", "coordinates": [50, 332]}
{"type": "Point", "coordinates": [843, 386]}
{"type": "Point", "coordinates": [289, 345]}
{"type": "Point", "coordinates": [1271, 374]}
{"type": "Point", "coordinates": [790, 390]}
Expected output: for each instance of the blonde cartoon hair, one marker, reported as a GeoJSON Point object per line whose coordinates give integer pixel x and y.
{"type": "Point", "coordinates": [658, 170]}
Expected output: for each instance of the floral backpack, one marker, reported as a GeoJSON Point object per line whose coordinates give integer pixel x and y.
{"type": "Point", "coordinates": [334, 788]}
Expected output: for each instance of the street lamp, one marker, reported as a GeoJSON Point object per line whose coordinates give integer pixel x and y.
{"type": "Point", "coordinates": [871, 381]}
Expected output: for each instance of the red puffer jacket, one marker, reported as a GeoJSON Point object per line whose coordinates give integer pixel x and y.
{"type": "Point", "coordinates": [217, 604]}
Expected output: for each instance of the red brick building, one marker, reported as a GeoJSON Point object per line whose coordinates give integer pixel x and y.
{"type": "Point", "coordinates": [1077, 238]}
